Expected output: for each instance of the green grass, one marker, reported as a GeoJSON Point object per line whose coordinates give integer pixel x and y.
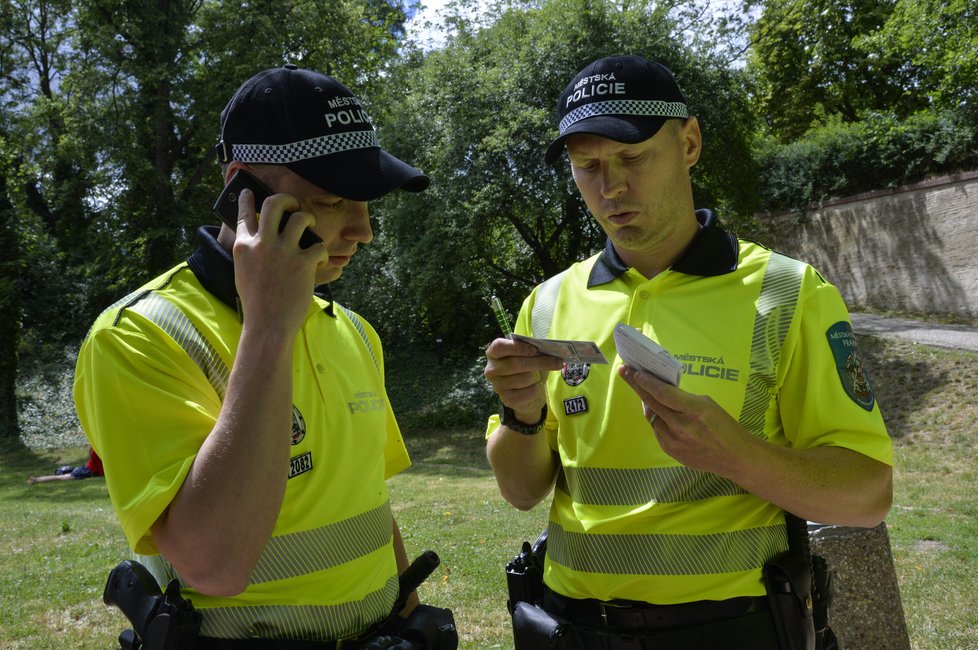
{"type": "Point", "coordinates": [930, 401]}
{"type": "Point", "coordinates": [58, 541]}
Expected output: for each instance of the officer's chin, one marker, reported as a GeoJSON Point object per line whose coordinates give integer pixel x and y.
{"type": "Point", "coordinates": [327, 273]}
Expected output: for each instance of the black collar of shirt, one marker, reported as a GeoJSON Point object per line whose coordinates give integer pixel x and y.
{"type": "Point", "coordinates": [214, 268]}
{"type": "Point", "coordinates": [712, 252]}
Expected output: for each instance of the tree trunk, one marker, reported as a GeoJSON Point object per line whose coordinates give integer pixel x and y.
{"type": "Point", "coordinates": [10, 308]}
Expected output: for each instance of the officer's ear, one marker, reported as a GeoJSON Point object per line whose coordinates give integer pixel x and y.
{"type": "Point", "coordinates": [692, 139]}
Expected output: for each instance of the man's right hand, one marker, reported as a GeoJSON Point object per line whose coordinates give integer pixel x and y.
{"type": "Point", "coordinates": [275, 278]}
{"type": "Point", "coordinates": [524, 465]}
{"type": "Point", "coordinates": [518, 374]}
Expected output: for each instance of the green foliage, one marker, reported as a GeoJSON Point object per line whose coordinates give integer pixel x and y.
{"type": "Point", "coordinates": [881, 151]}
{"type": "Point", "coordinates": [45, 407]}
{"type": "Point", "coordinates": [937, 43]}
{"type": "Point", "coordinates": [860, 95]}
{"type": "Point", "coordinates": [10, 269]}
{"type": "Point", "coordinates": [477, 116]}
{"type": "Point", "coordinates": [436, 388]}
{"type": "Point", "coordinates": [109, 110]}
{"type": "Point", "coordinates": [807, 61]}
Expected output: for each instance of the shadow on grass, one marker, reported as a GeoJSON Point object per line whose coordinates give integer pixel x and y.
{"type": "Point", "coordinates": [65, 491]}
{"type": "Point", "coordinates": [18, 459]}
{"type": "Point", "coordinates": [459, 450]}
{"type": "Point", "coordinates": [901, 377]}
{"type": "Point", "coordinates": [14, 454]}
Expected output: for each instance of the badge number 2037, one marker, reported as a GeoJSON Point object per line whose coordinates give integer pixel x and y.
{"type": "Point", "coordinates": [300, 464]}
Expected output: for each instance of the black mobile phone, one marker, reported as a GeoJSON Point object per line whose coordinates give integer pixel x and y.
{"type": "Point", "coordinates": [226, 206]}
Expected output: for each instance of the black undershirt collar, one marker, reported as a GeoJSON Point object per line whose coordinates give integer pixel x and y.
{"type": "Point", "coordinates": [214, 269]}
{"type": "Point", "coordinates": [713, 251]}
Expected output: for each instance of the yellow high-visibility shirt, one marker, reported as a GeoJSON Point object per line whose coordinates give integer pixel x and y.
{"type": "Point", "coordinates": [149, 386]}
{"type": "Point", "coordinates": [767, 338]}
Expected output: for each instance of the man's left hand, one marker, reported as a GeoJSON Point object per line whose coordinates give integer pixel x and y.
{"type": "Point", "coordinates": [693, 429]}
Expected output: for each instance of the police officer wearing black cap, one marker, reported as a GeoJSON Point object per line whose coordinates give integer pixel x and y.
{"type": "Point", "coordinates": [668, 524]}
{"type": "Point", "coordinates": [241, 413]}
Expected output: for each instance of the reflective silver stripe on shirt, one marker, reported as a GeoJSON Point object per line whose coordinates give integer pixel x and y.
{"type": "Point", "coordinates": [178, 327]}
{"type": "Point", "coordinates": [609, 486]}
{"type": "Point", "coordinates": [654, 554]}
{"type": "Point", "coordinates": [295, 554]}
{"type": "Point", "coordinates": [545, 305]}
{"type": "Point", "coordinates": [308, 551]}
{"type": "Point", "coordinates": [300, 622]}
{"type": "Point", "coordinates": [162, 570]}
{"type": "Point", "coordinates": [775, 310]}
{"type": "Point", "coordinates": [361, 330]}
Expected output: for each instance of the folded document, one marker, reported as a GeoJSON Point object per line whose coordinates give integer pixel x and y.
{"type": "Point", "coordinates": [642, 353]}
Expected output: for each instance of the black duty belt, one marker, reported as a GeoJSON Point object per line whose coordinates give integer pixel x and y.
{"type": "Point", "coordinates": [632, 615]}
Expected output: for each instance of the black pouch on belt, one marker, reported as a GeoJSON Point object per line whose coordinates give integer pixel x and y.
{"type": "Point", "coordinates": [534, 628]}
{"type": "Point", "coordinates": [788, 580]}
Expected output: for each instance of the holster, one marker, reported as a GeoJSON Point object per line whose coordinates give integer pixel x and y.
{"type": "Point", "coordinates": [431, 628]}
{"type": "Point", "coordinates": [524, 574]}
{"type": "Point", "coordinates": [788, 581]}
{"type": "Point", "coordinates": [825, 638]}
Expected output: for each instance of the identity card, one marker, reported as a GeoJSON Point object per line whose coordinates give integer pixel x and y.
{"type": "Point", "coordinates": [568, 351]}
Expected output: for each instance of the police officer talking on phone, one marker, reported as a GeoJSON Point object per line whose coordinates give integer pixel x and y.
{"type": "Point", "coordinates": [669, 501]}
{"type": "Point", "coordinates": [240, 412]}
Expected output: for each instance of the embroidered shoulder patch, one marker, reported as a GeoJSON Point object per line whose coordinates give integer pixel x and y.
{"type": "Point", "coordinates": [853, 374]}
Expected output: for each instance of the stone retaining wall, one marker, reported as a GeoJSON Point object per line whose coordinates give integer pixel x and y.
{"type": "Point", "coordinates": [911, 249]}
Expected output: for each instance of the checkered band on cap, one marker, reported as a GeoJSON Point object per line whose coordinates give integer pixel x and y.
{"type": "Point", "coordinates": [281, 154]}
{"type": "Point", "coordinates": [636, 107]}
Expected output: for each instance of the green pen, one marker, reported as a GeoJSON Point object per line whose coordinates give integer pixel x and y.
{"type": "Point", "coordinates": [497, 308]}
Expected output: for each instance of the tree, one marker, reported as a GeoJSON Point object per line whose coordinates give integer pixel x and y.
{"type": "Point", "coordinates": [10, 270]}
{"type": "Point", "coordinates": [938, 42]}
{"type": "Point", "coordinates": [808, 64]}
{"type": "Point", "coordinates": [477, 116]}
{"type": "Point", "coordinates": [43, 174]}
{"type": "Point", "coordinates": [899, 105]}
{"type": "Point", "coordinates": [159, 74]}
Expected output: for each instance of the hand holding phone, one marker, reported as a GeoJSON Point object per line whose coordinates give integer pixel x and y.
{"type": "Point", "coordinates": [226, 206]}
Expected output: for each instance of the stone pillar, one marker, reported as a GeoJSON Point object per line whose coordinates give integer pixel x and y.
{"type": "Point", "coordinates": [866, 609]}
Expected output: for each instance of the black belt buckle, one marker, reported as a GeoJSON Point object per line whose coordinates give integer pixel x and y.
{"type": "Point", "coordinates": [602, 607]}
{"type": "Point", "coordinates": [603, 610]}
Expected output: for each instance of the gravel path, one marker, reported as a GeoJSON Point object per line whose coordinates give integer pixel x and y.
{"type": "Point", "coordinates": [959, 337]}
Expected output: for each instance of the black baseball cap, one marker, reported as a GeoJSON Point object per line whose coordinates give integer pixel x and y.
{"type": "Point", "coordinates": [623, 98]}
{"type": "Point", "coordinates": [315, 126]}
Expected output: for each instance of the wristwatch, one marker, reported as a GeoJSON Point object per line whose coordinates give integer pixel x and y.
{"type": "Point", "coordinates": [508, 418]}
